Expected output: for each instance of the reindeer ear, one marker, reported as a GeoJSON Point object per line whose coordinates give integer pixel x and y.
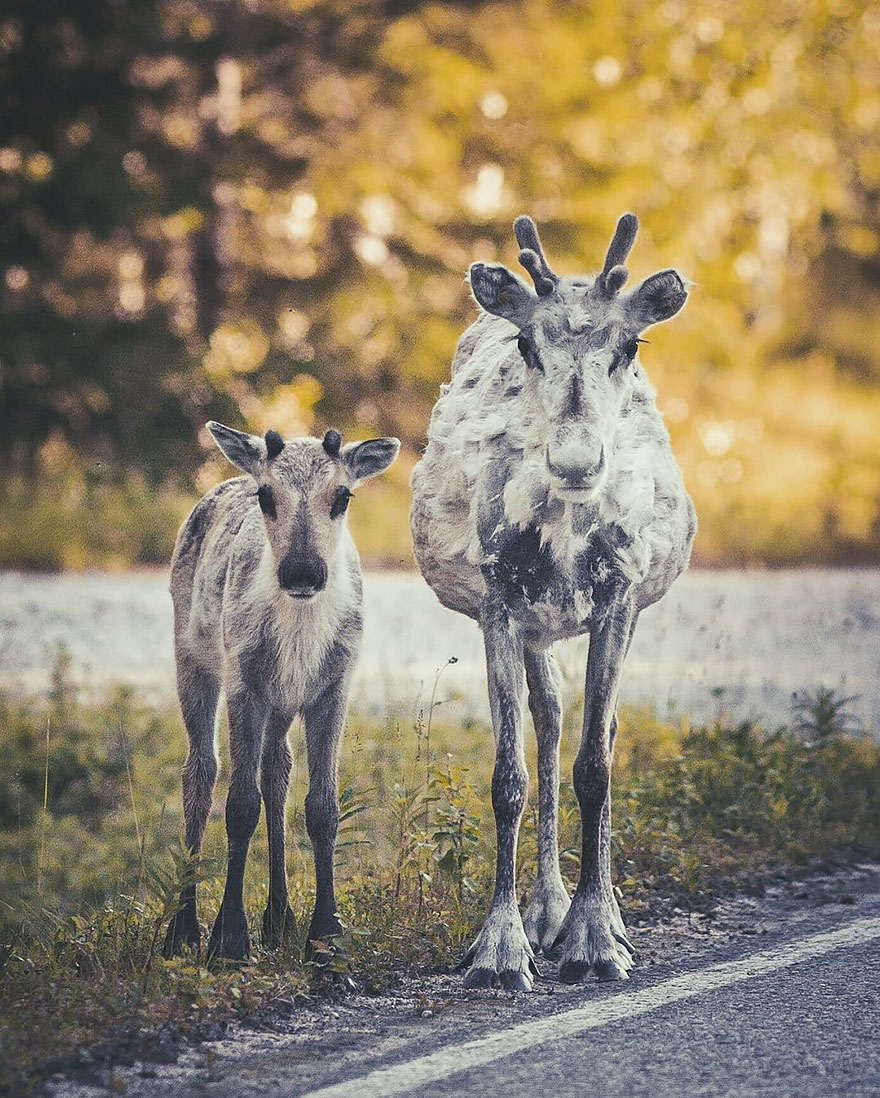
{"type": "Point", "coordinates": [502, 293]}
{"type": "Point", "coordinates": [248, 452]}
{"type": "Point", "coordinates": [657, 298]}
{"type": "Point", "coordinates": [368, 459]}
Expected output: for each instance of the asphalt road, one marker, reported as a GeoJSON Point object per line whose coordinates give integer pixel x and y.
{"type": "Point", "coordinates": [773, 1027]}
{"type": "Point", "coordinates": [775, 995]}
{"type": "Point", "coordinates": [808, 1030]}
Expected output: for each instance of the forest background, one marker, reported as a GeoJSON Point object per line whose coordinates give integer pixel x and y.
{"type": "Point", "coordinates": [261, 211]}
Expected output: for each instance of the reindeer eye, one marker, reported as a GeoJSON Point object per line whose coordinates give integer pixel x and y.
{"type": "Point", "coordinates": [528, 354]}
{"type": "Point", "coordinates": [628, 352]}
{"type": "Point", "coordinates": [266, 497]}
{"type": "Point", "coordinates": [340, 502]}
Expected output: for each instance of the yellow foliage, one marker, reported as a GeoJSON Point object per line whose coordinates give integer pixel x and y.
{"type": "Point", "coordinates": [289, 408]}
{"type": "Point", "coordinates": [729, 136]}
{"type": "Point", "coordinates": [237, 347]}
{"type": "Point", "coordinates": [349, 201]}
{"type": "Point", "coordinates": [644, 740]}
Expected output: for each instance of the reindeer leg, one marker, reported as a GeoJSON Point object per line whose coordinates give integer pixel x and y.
{"type": "Point", "coordinates": [501, 952]}
{"type": "Point", "coordinates": [324, 720]}
{"type": "Point", "coordinates": [618, 925]}
{"type": "Point", "coordinates": [591, 936]}
{"type": "Point", "coordinates": [247, 718]}
{"type": "Point", "coordinates": [549, 902]}
{"type": "Point", "coordinates": [274, 782]}
{"type": "Point", "coordinates": [198, 690]}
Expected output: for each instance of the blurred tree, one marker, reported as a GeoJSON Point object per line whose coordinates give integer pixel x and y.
{"type": "Point", "coordinates": [262, 210]}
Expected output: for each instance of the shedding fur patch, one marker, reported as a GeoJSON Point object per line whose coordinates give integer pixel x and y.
{"type": "Point", "coordinates": [480, 419]}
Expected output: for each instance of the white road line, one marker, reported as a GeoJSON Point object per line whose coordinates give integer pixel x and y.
{"type": "Point", "coordinates": [421, 1072]}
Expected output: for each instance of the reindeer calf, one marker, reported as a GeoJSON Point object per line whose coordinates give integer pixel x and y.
{"type": "Point", "coordinates": [266, 586]}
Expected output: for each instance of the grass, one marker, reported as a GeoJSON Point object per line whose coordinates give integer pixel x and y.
{"type": "Point", "coordinates": [77, 522]}
{"type": "Point", "coordinates": [91, 860]}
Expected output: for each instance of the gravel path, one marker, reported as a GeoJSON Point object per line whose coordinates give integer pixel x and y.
{"type": "Point", "coordinates": [738, 641]}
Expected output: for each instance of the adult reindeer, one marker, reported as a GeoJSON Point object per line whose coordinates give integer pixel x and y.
{"type": "Point", "coordinates": [548, 505]}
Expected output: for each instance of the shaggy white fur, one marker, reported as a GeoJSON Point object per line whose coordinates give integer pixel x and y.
{"type": "Point", "coordinates": [547, 504]}
{"type": "Point", "coordinates": [489, 410]}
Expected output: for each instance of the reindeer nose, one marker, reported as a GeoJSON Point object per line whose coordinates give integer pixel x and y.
{"type": "Point", "coordinates": [569, 465]}
{"type": "Point", "coordinates": [302, 579]}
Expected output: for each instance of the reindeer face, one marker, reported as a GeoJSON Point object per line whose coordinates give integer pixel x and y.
{"type": "Point", "coordinates": [303, 488]}
{"type": "Point", "coordinates": [579, 338]}
{"type": "Point", "coordinates": [580, 353]}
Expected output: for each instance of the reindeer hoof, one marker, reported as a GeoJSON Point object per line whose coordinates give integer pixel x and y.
{"type": "Point", "coordinates": [574, 972]}
{"type": "Point", "coordinates": [344, 981]}
{"type": "Point", "coordinates": [183, 933]}
{"type": "Point", "coordinates": [229, 938]}
{"type": "Point", "coordinates": [278, 927]}
{"type": "Point", "coordinates": [321, 948]}
{"type": "Point", "coordinates": [591, 941]}
{"type": "Point", "coordinates": [508, 980]}
{"type": "Point", "coordinates": [480, 977]}
{"type": "Point", "coordinates": [175, 945]}
{"type": "Point", "coordinates": [515, 981]}
{"type": "Point", "coordinates": [501, 956]}
{"type": "Point", "coordinates": [609, 970]}
{"type": "Point", "coordinates": [545, 915]}
{"type": "Point", "coordinates": [235, 950]}
{"type": "Point", "coordinates": [324, 929]}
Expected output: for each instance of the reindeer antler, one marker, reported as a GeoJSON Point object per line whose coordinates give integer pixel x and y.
{"type": "Point", "coordinates": [614, 274]}
{"type": "Point", "coordinates": [332, 442]}
{"type": "Point", "coordinates": [274, 444]}
{"type": "Point", "coordinates": [532, 255]}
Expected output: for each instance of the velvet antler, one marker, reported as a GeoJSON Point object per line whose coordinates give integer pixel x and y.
{"type": "Point", "coordinates": [532, 256]}
{"type": "Point", "coordinates": [332, 442]}
{"type": "Point", "coordinates": [274, 444]}
{"type": "Point", "coordinates": [614, 274]}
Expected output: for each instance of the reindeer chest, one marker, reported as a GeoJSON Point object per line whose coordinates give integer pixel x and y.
{"type": "Point", "coordinates": [287, 657]}
{"type": "Point", "coordinates": [552, 594]}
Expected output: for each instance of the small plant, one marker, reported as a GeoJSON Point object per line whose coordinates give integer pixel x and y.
{"type": "Point", "coordinates": [411, 840]}
{"type": "Point", "coordinates": [352, 804]}
{"type": "Point", "coordinates": [457, 829]}
{"type": "Point", "coordinates": [823, 714]}
{"type": "Point", "coordinates": [423, 733]}
{"type": "Point", "coordinates": [179, 869]}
